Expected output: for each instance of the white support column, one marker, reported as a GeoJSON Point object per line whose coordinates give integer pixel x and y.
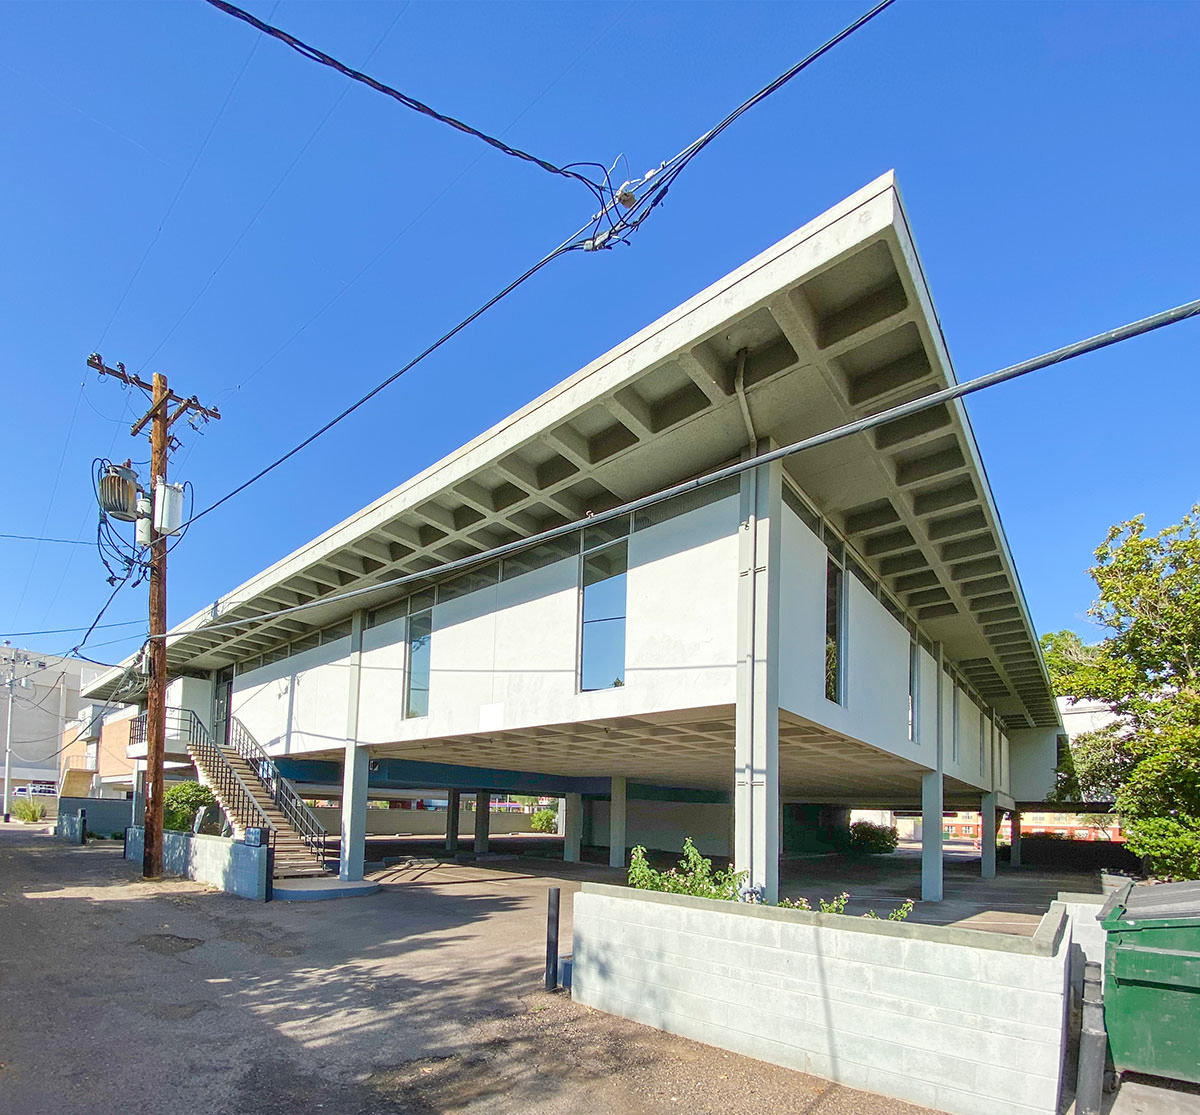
{"type": "Point", "coordinates": [1015, 838]}
{"type": "Point", "coordinates": [987, 837]}
{"type": "Point", "coordinates": [572, 827]}
{"type": "Point", "coordinates": [483, 821]}
{"type": "Point", "coordinates": [354, 812]}
{"type": "Point", "coordinates": [452, 806]}
{"type": "Point", "coordinates": [616, 823]}
{"type": "Point", "coordinates": [932, 800]}
{"type": "Point", "coordinates": [355, 771]}
{"type": "Point", "coordinates": [756, 733]}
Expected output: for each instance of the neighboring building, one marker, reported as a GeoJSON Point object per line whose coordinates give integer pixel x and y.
{"type": "Point", "coordinates": [750, 659]}
{"type": "Point", "coordinates": [1084, 715]}
{"type": "Point", "coordinates": [45, 696]}
{"type": "Point", "coordinates": [95, 760]}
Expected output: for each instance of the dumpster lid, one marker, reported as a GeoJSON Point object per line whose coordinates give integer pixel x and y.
{"type": "Point", "coordinates": [1162, 902]}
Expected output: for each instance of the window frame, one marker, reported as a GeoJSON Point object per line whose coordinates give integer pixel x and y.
{"type": "Point", "coordinates": [600, 547]}
{"type": "Point", "coordinates": [408, 666]}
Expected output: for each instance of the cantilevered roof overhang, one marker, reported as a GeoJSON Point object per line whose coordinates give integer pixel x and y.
{"type": "Point", "coordinates": [838, 323]}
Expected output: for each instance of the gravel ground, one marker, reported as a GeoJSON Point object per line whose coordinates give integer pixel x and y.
{"type": "Point", "coordinates": [165, 997]}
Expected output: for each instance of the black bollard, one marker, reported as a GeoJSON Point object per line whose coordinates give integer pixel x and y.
{"type": "Point", "coordinates": [552, 939]}
{"type": "Point", "coordinates": [83, 826]}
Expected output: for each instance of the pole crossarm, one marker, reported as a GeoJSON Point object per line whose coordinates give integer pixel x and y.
{"type": "Point", "coordinates": [96, 361]}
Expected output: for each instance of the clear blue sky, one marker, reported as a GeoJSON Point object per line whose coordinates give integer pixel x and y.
{"type": "Point", "coordinates": [1046, 153]}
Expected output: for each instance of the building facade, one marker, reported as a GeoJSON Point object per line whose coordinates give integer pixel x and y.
{"type": "Point", "coordinates": [840, 627]}
{"type": "Point", "coordinates": [41, 695]}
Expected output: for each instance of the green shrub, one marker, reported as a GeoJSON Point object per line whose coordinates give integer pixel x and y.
{"type": "Point", "coordinates": [873, 840]}
{"type": "Point", "coordinates": [1169, 845]}
{"type": "Point", "coordinates": [837, 905]}
{"type": "Point", "coordinates": [29, 811]}
{"type": "Point", "coordinates": [694, 876]}
{"type": "Point", "coordinates": [119, 835]}
{"type": "Point", "coordinates": [544, 820]}
{"type": "Point", "coordinates": [180, 803]}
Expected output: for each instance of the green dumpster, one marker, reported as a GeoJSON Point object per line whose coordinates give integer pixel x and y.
{"type": "Point", "coordinates": [1152, 979]}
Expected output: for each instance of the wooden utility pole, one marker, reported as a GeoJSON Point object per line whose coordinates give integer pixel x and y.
{"type": "Point", "coordinates": [160, 418]}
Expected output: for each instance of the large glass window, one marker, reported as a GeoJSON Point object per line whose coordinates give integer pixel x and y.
{"type": "Point", "coordinates": [833, 630]}
{"type": "Point", "coordinates": [953, 721]}
{"type": "Point", "coordinates": [420, 631]}
{"type": "Point", "coordinates": [914, 689]}
{"type": "Point", "coordinates": [602, 641]}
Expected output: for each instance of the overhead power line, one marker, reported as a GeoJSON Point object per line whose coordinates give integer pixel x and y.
{"type": "Point", "coordinates": [38, 538]}
{"type": "Point", "coordinates": [618, 231]}
{"type": "Point", "coordinates": [68, 630]}
{"type": "Point", "coordinates": [320, 56]}
{"type": "Point", "coordinates": [903, 410]}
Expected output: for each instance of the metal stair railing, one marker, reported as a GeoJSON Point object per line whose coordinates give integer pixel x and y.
{"type": "Point", "coordinates": [234, 796]}
{"type": "Point", "coordinates": [283, 794]}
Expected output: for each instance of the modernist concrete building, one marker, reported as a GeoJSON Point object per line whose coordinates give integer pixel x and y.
{"type": "Point", "coordinates": [844, 627]}
{"type": "Point", "coordinates": [44, 695]}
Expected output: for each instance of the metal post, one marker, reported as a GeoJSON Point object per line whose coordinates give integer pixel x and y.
{"type": "Point", "coordinates": [1093, 1044]}
{"type": "Point", "coordinates": [83, 826]}
{"type": "Point", "coordinates": [552, 900]}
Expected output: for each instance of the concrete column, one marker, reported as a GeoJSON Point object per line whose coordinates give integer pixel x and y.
{"type": "Point", "coordinates": [354, 812]}
{"type": "Point", "coordinates": [616, 824]}
{"type": "Point", "coordinates": [483, 821]}
{"type": "Point", "coordinates": [560, 818]}
{"type": "Point", "coordinates": [355, 770]}
{"type": "Point", "coordinates": [932, 803]}
{"type": "Point", "coordinates": [1015, 819]}
{"type": "Point", "coordinates": [452, 804]}
{"type": "Point", "coordinates": [572, 827]}
{"type": "Point", "coordinates": [756, 731]}
{"type": "Point", "coordinates": [987, 837]}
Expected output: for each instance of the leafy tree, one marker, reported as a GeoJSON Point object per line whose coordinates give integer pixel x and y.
{"type": "Point", "coordinates": [1147, 671]}
{"type": "Point", "coordinates": [180, 803]}
{"type": "Point", "coordinates": [1065, 652]}
{"type": "Point", "coordinates": [544, 820]}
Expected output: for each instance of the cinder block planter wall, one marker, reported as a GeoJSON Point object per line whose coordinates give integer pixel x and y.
{"type": "Point", "coordinates": [215, 860]}
{"type": "Point", "coordinates": [954, 1019]}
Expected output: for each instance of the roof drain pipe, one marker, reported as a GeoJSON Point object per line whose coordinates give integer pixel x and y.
{"type": "Point", "coordinates": [739, 386]}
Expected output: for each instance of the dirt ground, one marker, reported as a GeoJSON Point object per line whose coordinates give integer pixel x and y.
{"type": "Point", "coordinates": [123, 995]}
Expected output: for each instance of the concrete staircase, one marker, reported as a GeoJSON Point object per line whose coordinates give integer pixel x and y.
{"type": "Point", "coordinates": [251, 792]}
{"type": "Point", "coordinates": [293, 857]}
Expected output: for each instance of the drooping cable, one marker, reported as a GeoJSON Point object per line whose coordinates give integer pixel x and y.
{"type": "Point", "coordinates": [311, 52]}
{"type": "Point", "coordinates": [617, 233]}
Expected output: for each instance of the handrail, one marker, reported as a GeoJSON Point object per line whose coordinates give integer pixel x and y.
{"type": "Point", "coordinates": [227, 785]}
{"type": "Point", "coordinates": [299, 816]}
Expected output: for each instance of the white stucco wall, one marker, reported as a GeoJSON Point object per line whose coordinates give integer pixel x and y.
{"type": "Point", "coordinates": [505, 656]}
{"type": "Point", "coordinates": [874, 708]}
{"type": "Point", "coordinates": [298, 704]}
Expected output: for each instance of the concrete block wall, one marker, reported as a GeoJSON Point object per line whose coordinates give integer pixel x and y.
{"type": "Point", "coordinates": [67, 828]}
{"type": "Point", "coordinates": [214, 860]}
{"type": "Point", "coordinates": [957, 1020]}
{"type": "Point", "coordinates": [104, 815]}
